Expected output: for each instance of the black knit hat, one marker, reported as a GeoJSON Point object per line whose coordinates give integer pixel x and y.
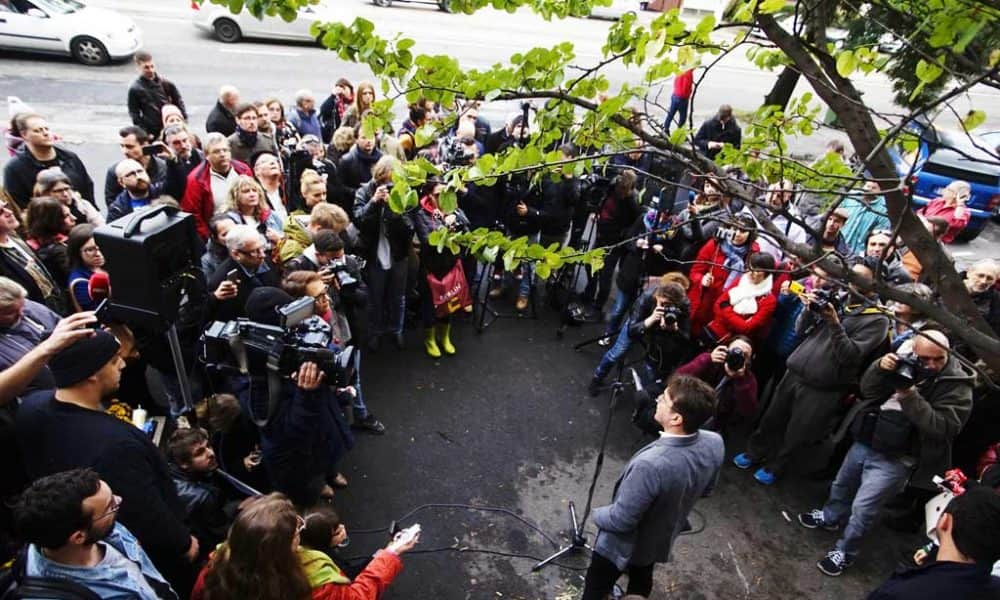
{"type": "Point", "coordinates": [83, 358]}
{"type": "Point", "coordinates": [262, 302]}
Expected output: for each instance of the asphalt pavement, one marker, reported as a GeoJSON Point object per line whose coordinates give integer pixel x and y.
{"type": "Point", "coordinates": [507, 422]}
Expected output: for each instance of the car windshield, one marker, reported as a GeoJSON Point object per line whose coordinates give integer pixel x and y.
{"type": "Point", "coordinates": [58, 7]}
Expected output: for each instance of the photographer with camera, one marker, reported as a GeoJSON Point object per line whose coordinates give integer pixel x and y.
{"type": "Point", "coordinates": [617, 212]}
{"type": "Point", "coordinates": [660, 320]}
{"type": "Point", "coordinates": [304, 432]}
{"type": "Point", "coordinates": [838, 335]}
{"type": "Point", "coordinates": [727, 369]}
{"type": "Point", "coordinates": [914, 403]}
{"type": "Point", "coordinates": [718, 266]}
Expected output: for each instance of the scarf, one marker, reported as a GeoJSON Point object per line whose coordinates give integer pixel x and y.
{"type": "Point", "coordinates": [736, 258]}
{"type": "Point", "coordinates": [320, 568]}
{"type": "Point", "coordinates": [246, 138]}
{"type": "Point", "coordinates": [743, 297]}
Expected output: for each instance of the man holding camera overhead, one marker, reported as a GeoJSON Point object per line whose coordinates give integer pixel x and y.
{"type": "Point", "coordinates": [838, 334]}
{"type": "Point", "coordinates": [915, 402]}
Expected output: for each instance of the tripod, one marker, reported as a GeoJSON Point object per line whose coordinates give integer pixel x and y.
{"type": "Point", "coordinates": [578, 541]}
{"type": "Point", "coordinates": [485, 307]}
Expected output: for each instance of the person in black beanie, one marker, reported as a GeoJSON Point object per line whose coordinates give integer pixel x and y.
{"type": "Point", "coordinates": [68, 428]}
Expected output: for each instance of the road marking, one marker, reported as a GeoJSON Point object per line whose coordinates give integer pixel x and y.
{"type": "Point", "coordinates": [261, 52]}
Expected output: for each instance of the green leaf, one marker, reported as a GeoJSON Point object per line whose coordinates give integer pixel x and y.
{"type": "Point", "coordinates": [448, 201]}
{"type": "Point", "coordinates": [768, 7]}
{"type": "Point", "coordinates": [490, 253]}
{"type": "Point", "coordinates": [927, 72]}
{"type": "Point", "coordinates": [404, 44]}
{"type": "Point", "coordinates": [974, 119]}
{"type": "Point", "coordinates": [397, 203]}
{"type": "Point", "coordinates": [543, 270]}
{"type": "Point", "coordinates": [846, 63]}
{"type": "Point", "coordinates": [436, 236]}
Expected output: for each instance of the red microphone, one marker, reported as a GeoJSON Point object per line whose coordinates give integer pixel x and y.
{"type": "Point", "coordinates": [99, 286]}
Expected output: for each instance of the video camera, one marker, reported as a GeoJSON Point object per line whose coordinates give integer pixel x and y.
{"type": "Point", "coordinates": [908, 369]}
{"type": "Point", "coordinates": [594, 188]}
{"type": "Point", "coordinates": [301, 337]}
{"type": "Point", "coordinates": [823, 298]}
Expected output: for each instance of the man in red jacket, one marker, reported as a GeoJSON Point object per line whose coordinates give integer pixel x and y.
{"type": "Point", "coordinates": [208, 185]}
{"type": "Point", "coordinates": [683, 86]}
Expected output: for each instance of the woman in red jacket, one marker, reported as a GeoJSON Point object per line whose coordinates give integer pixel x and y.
{"type": "Point", "coordinates": [717, 267]}
{"type": "Point", "coordinates": [262, 560]}
{"type": "Point", "coordinates": [747, 307]}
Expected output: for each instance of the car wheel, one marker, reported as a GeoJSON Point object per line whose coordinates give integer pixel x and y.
{"type": "Point", "coordinates": [443, 5]}
{"type": "Point", "coordinates": [382, 3]}
{"type": "Point", "coordinates": [89, 51]}
{"type": "Point", "coordinates": [227, 31]}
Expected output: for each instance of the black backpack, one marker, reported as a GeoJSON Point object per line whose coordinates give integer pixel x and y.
{"type": "Point", "coordinates": [15, 585]}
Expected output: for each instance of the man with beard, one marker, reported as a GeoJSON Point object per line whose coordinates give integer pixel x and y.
{"type": "Point", "coordinates": [137, 191]}
{"type": "Point", "coordinates": [979, 280]}
{"type": "Point", "coordinates": [132, 140]}
{"type": "Point", "coordinates": [831, 239]}
{"type": "Point", "coordinates": [248, 141]}
{"type": "Point", "coordinates": [149, 93]}
{"type": "Point", "coordinates": [69, 522]}
{"type": "Point", "coordinates": [207, 188]}
{"type": "Point", "coordinates": [68, 428]}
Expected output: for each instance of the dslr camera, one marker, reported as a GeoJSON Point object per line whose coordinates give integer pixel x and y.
{"type": "Point", "coordinates": [908, 369]}
{"type": "Point", "coordinates": [823, 298]}
{"type": "Point", "coordinates": [735, 359]}
{"type": "Point", "coordinates": [672, 314]}
{"type": "Point", "coordinates": [339, 268]}
{"type": "Point", "coordinates": [301, 337]}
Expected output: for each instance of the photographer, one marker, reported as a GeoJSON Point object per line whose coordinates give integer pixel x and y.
{"type": "Point", "coordinates": [838, 335]}
{"type": "Point", "coordinates": [306, 434]}
{"type": "Point", "coordinates": [719, 264]}
{"type": "Point", "coordinates": [385, 240]}
{"type": "Point", "coordinates": [914, 403]}
{"type": "Point", "coordinates": [341, 271]}
{"type": "Point", "coordinates": [660, 320]}
{"type": "Point", "coordinates": [618, 211]}
{"type": "Point", "coordinates": [245, 270]}
{"type": "Point", "coordinates": [727, 369]}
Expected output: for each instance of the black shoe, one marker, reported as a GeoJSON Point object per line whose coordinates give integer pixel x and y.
{"type": "Point", "coordinates": [373, 344]}
{"type": "Point", "coordinates": [398, 339]}
{"type": "Point", "coordinates": [370, 424]}
{"type": "Point", "coordinates": [834, 563]}
{"type": "Point", "coordinates": [814, 520]}
{"type": "Point", "coordinates": [594, 387]}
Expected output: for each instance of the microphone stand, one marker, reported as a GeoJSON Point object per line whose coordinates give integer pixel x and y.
{"type": "Point", "coordinates": [578, 541]}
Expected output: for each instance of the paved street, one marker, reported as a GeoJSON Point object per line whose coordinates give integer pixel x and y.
{"type": "Point", "coordinates": [507, 422]}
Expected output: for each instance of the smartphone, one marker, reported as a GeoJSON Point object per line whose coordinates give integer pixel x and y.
{"type": "Point", "coordinates": [152, 149]}
{"type": "Point", "coordinates": [408, 534]}
{"type": "Point", "coordinates": [233, 276]}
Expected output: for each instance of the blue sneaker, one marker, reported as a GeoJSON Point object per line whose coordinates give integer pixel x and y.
{"type": "Point", "coordinates": [742, 461]}
{"type": "Point", "coordinates": [764, 476]}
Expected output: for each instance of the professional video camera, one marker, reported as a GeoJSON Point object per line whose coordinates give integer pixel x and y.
{"type": "Point", "coordinates": [301, 337]}
{"type": "Point", "coordinates": [594, 188]}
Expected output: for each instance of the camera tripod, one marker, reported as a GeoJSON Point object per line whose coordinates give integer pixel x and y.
{"type": "Point", "coordinates": [485, 307]}
{"type": "Point", "coordinates": [578, 541]}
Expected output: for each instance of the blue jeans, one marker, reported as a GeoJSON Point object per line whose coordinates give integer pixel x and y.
{"type": "Point", "coordinates": [615, 353]}
{"type": "Point", "coordinates": [617, 312]}
{"type": "Point", "coordinates": [387, 297]}
{"type": "Point", "coordinates": [679, 107]}
{"type": "Point", "coordinates": [865, 481]}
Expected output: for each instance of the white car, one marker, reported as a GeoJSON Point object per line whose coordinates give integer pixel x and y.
{"type": "Point", "coordinates": [231, 28]}
{"type": "Point", "coordinates": [93, 36]}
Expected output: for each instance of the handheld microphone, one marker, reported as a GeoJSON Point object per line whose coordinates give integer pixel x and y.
{"type": "Point", "coordinates": [99, 286]}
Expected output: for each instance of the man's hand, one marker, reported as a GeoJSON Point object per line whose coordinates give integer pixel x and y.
{"type": "Point", "coordinates": [888, 362]}
{"type": "Point", "coordinates": [67, 331]}
{"type": "Point", "coordinates": [715, 145]}
{"type": "Point", "coordinates": [381, 194]}
{"type": "Point", "coordinates": [719, 354]}
{"type": "Point", "coordinates": [829, 313]}
{"type": "Point", "coordinates": [656, 318]}
{"type": "Point", "coordinates": [707, 280]}
{"type": "Point", "coordinates": [192, 552]}
{"type": "Point", "coordinates": [309, 377]}
{"type": "Point", "coordinates": [272, 236]}
{"type": "Point", "coordinates": [784, 287]}
{"type": "Point", "coordinates": [522, 208]}
{"type": "Point", "coordinates": [226, 290]}
{"type": "Point", "coordinates": [642, 243]}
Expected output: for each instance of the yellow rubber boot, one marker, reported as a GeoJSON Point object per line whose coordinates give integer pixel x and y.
{"type": "Point", "coordinates": [446, 345]}
{"type": "Point", "coordinates": [430, 344]}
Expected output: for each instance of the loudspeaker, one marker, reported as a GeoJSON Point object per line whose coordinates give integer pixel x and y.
{"type": "Point", "coordinates": [148, 254]}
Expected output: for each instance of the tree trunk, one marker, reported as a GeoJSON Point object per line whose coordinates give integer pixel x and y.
{"type": "Point", "coordinates": [784, 87]}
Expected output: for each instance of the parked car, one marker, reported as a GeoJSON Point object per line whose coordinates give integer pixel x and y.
{"type": "Point", "coordinates": [230, 28]}
{"type": "Point", "coordinates": [943, 156]}
{"type": "Point", "coordinates": [91, 35]}
{"type": "Point", "coordinates": [441, 4]}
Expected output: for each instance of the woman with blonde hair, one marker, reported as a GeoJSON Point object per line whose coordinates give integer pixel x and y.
{"type": "Point", "coordinates": [262, 559]}
{"type": "Point", "coordinates": [247, 207]}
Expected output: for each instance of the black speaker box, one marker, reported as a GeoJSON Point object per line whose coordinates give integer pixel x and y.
{"type": "Point", "coordinates": [148, 253]}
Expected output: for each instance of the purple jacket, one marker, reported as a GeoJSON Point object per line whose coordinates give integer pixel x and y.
{"type": "Point", "coordinates": [743, 391]}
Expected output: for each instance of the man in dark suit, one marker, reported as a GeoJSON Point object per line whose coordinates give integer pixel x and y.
{"type": "Point", "coordinates": [657, 491]}
{"type": "Point", "coordinates": [251, 270]}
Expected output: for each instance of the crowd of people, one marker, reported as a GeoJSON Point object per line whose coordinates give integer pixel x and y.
{"type": "Point", "coordinates": [293, 203]}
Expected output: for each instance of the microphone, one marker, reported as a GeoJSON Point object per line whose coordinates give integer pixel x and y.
{"type": "Point", "coordinates": [99, 286]}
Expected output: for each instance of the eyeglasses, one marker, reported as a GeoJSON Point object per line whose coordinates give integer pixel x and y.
{"type": "Point", "coordinates": [132, 173]}
{"type": "Point", "coordinates": [254, 252]}
{"type": "Point", "coordinates": [116, 504]}
{"type": "Point", "coordinates": [880, 232]}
